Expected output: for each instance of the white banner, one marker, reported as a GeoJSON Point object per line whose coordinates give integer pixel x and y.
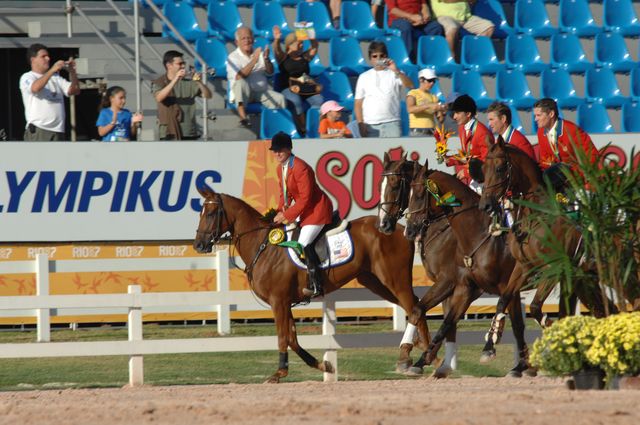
{"type": "Point", "coordinates": [58, 192]}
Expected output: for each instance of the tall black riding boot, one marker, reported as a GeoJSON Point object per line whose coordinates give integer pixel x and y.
{"type": "Point", "coordinates": [313, 269]}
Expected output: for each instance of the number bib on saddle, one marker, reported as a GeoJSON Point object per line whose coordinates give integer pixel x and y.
{"type": "Point", "coordinates": [333, 250]}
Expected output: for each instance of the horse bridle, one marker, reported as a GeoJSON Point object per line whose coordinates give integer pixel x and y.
{"type": "Point", "coordinates": [506, 179]}
{"type": "Point", "coordinates": [399, 199]}
{"type": "Point", "coordinates": [216, 233]}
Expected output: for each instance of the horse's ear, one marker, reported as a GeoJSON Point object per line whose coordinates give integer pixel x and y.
{"type": "Point", "coordinates": [206, 192]}
{"type": "Point", "coordinates": [387, 159]}
{"type": "Point", "coordinates": [475, 170]}
{"type": "Point", "coordinates": [500, 141]}
{"type": "Point", "coordinates": [404, 157]}
{"type": "Point", "coordinates": [426, 163]}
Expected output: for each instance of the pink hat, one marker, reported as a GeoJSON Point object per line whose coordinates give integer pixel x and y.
{"type": "Point", "coordinates": [330, 105]}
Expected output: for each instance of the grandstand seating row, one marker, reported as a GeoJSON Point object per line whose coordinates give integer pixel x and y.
{"type": "Point", "coordinates": [593, 118]}
{"type": "Point", "coordinates": [530, 18]}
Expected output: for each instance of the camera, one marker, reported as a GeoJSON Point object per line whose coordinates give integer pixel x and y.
{"type": "Point", "coordinates": [382, 62]}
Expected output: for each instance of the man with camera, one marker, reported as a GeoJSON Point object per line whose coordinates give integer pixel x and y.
{"type": "Point", "coordinates": [175, 93]}
{"type": "Point", "coordinates": [378, 95]}
{"type": "Point", "coordinates": [43, 92]}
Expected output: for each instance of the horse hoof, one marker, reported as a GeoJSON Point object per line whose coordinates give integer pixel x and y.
{"type": "Point", "coordinates": [403, 365]}
{"type": "Point", "coordinates": [414, 371]}
{"type": "Point", "coordinates": [273, 379]}
{"type": "Point", "coordinates": [514, 374]}
{"type": "Point", "coordinates": [442, 372]}
{"type": "Point", "coordinates": [487, 357]}
{"type": "Point", "coordinates": [327, 367]}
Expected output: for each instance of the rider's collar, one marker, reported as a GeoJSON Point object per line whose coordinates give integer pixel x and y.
{"type": "Point", "coordinates": [468, 126]}
{"type": "Point", "coordinates": [506, 136]}
{"type": "Point", "coordinates": [558, 128]}
{"type": "Point", "coordinates": [289, 163]}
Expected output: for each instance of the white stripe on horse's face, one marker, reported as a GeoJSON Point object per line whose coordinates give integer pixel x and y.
{"type": "Point", "coordinates": [408, 215]}
{"type": "Point", "coordinates": [382, 213]}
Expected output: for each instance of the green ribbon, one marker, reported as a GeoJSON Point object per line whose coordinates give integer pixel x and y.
{"type": "Point", "coordinates": [293, 244]}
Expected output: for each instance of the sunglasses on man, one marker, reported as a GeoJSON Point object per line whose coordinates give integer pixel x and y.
{"type": "Point", "coordinates": [430, 80]}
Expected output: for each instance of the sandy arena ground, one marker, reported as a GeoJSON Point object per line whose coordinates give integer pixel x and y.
{"type": "Point", "coordinates": [528, 401]}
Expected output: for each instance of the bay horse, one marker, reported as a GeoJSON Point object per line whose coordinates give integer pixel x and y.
{"type": "Point", "coordinates": [508, 173]}
{"type": "Point", "coordinates": [395, 187]}
{"type": "Point", "coordinates": [481, 262]}
{"type": "Point", "coordinates": [381, 263]}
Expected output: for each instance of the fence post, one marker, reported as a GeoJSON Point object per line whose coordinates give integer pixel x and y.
{"type": "Point", "coordinates": [329, 328]}
{"type": "Point", "coordinates": [134, 325]}
{"type": "Point", "coordinates": [222, 284]}
{"type": "Point", "coordinates": [43, 315]}
{"type": "Point", "coordinates": [399, 318]}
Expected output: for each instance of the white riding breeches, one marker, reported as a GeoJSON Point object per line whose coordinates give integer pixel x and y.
{"type": "Point", "coordinates": [308, 233]}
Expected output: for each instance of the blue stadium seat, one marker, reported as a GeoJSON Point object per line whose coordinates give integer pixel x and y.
{"type": "Point", "coordinates": [266, 14]}
{"type": "Point", "coordinates": [470, 82]}
{"type": "Point", "coordinates": [273, 121]}
{"type": "Point", "coordinates": [492, 10]}
{"type": "Point", "coordinates": [290, 2]}
{"type": "Point", "coordinates": [245, 2]}
{"type": "Point", "coordinates": [557, 84]}
{"type": "Point", "coordinates": [313, 122]}
{"type": "Point", "coordinates": [522, 53]}
{"type": "Point", "coordinates": [515, 120]}
{"type": "Point", "coordinates": [601, 87]}
{"type": "Point", "coordinates": [531, 18]}
{"type": "Point", "coordinates": [635, 83]}
{"type": "Point", "coordinates": [345, 55]}
{"type": "Point", "coordinates": [620, 17]}
{"type": "Point", "coordinates": [317, 13]}
{"type": "Point", "coordinates": [593, 118]}
{"type": "Point", "coordinates": [576, 18]}
{"type": "Point", "coordinates": [631, 116]}
{"type": "Point", "coordinates": [224, 19]}
{"type": "Point", "coordinates": [611, 52]}
{"type": "Point", "coordinates": [512, 88]}
{"type": "Point", "coordinates": [567, 53]}
{"type": "Point", "coordinates": [251, 108]}
{"type": "Point", "coordinates": [433, 52]}
{"type": "Point", "coordinates": [437, 90]}
{"type": "Point", "coordinates": [194, 3]}
{"type": "Point", "coordinates": [478, 54]}
{"type": "Point", "coordinates": [356, 20]}
{"type": "Point", "coordinates": [398, 52]}
{"type": "Point", "coordinates": [214, 52]}
{"type": "Point", "coordinates": [336, 86]}
{"type": "Point", "coordinates": [182, 16]}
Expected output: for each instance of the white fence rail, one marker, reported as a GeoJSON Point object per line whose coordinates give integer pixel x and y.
{"type": "Point", "coordinates": [43, 306]}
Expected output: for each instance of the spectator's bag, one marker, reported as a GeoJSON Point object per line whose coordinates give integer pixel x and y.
{"type": "Point", "coordinates": [304, 86]}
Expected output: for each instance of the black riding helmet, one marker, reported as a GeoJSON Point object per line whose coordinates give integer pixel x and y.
{"type": "Point", "coordinates": [281, 140]}
{"type": "Point", "coordinates": [464, 103]}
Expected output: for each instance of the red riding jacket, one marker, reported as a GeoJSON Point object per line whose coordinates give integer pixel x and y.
{"type": "Point", "coordinates": [566, 132]}
{"type": "Point", "coordinates": [474, 143]}
{"type": "Point", "coordinates": [310, 203]}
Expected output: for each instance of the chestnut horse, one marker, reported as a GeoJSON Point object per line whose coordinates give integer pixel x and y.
{"type": "Point", "coordinates": [480, 263]}
{"type": "Point", "coordinates": [509, 173]}
{"type": "Point", "coordinates": [395, 187]}
{"type": "Point", "coordinates": [381, 263]}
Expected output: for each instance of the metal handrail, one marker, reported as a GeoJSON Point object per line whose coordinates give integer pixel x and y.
{"type": "Point", "coordinates": [104, 39]}
{"type": "Point", "coordinates": [130, 24]}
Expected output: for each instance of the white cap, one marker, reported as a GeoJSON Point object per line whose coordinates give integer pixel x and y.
{"type": "Point", "coordinates": [427, 74]}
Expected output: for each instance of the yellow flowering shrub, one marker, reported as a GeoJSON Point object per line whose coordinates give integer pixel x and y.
{"type": "Point", "coordinates": [616, 344]}
{"type": "Point", "coordinates": [563, 346]}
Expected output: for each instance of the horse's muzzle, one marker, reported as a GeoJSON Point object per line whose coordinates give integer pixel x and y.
{"type": "Point", "coordinates": [202, 247]}
{"type": "Point", "coordinates": [489, 204]}
{"type": "Point", "coordinates": [411, 231]}
{"type": "Point", "coordinates": [386, 226]}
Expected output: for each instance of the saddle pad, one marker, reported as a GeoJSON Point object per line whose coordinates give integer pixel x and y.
{"type": "Point", "coordinates": [333, 250]}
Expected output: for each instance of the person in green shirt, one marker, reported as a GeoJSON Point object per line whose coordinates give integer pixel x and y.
{"type": "Point", "coordinates": [453, 14]}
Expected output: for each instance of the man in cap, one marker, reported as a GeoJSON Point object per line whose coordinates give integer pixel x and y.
{"type": "Point", "coordinates": [499, 116]}
{"type": "Point", "coordinates": [423, 106]}
{"type": "Point", "coordinates": [475, 138]}
{"type": "Point", "coordinates": [301, 198]}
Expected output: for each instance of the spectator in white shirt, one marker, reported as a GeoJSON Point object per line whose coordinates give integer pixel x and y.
{"type": "Point", "coordinates": [247, 70]}
{"type": "Point", "coordinates": [43, 92]}
{"type": "Point", "coordinates": [378, 95]}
